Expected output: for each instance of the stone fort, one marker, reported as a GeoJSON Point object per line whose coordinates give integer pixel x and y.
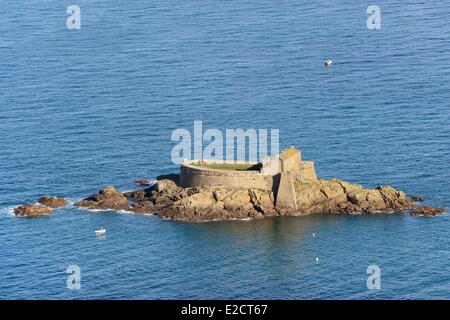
{"type": "Point", "coordinates": [277, 174]}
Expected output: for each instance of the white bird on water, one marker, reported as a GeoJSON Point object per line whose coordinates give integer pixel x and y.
{"type": "Point", "coordinates": [314, 234]}
{"type": "Point", "coordinates": [317, 259]}
{"type": "Point", "coordinates": [328, 62]}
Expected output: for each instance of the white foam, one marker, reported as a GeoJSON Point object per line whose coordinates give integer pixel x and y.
{"type": "Point", "coordinates": [211, 220]}
{"type": "Point", "coordinates": [95, 210]}
{"type": "Point", "coordinates": [121, 211]}
{"type": "Point", "coordinates": [125, 211]}
{"type": "Point", "coordinates": [135, 213]}
{"type": "Point", "coordinates": [7, 211]}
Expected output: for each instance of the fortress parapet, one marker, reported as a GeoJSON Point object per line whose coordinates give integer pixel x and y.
{"type": "Point", "coordinates": [228, 174]}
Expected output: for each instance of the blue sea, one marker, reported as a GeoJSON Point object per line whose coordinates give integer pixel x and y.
{"type": "Point", "coordinates": [82, 109]}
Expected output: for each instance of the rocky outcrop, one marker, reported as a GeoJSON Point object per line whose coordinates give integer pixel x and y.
{"type": "Point", "coordinates": [142, 182]}
{"type": "Point", "coordinates": [195, 204]}
{"type": "Point", "coordinates": [44, 206]}
{"type": "Point", "coordinates": [320, 196]}
{"type": "Point", "coordinates": [336, 196]}
{"type": "Point", "coordinates": [106, 199]}
{"type": "Point", "coordinates": [32, 210]}
{"type": "Point", "coordinates": [53, 202]}
{"type": "Point", "coordinates": [416, 199]}
{"type": "Point", "coordinates": [427, 211]}
{"type": "Point", "coordinates": [141, 207]}
{"type": "Point", "coordinates": [109, 198]}
{"type": "Point", "coordinates": [215, 203]}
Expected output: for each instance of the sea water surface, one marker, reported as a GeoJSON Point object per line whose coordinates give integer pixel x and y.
{"type": "Point", "coordinates": [81, 109]}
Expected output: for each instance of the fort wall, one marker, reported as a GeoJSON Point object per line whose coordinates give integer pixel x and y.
{"type": "Point", "coordinates": [307, 170]}
{"type": "Point", "coordinates": [193, 176]}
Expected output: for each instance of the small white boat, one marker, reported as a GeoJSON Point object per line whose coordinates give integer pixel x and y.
{"type": "Point", "coordinates": [328, 62]}
{"type": "Point", "coordinates": [100, 231]}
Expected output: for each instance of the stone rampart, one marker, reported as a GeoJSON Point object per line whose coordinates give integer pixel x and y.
{"type": "Point", "coordinates": [193, 176]}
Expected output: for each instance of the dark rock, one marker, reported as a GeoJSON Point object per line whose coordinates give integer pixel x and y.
{"type": "Point", "coordinates": [32, 210]}
{"type": "Point", "coordinates": [142, 207]}
{"type": "Point", "coordinates": [427, 211]}
{"type": "Point", "coordinates": [110, 198]}
{"type": "Point", "coordinates": [136, 195]}
{"type": "Point", "coordinates": [416, 199]}
{"type": "Point", "coordinates": [142, 182]}
{"type": "Point", "coordinates": [107, 198]}
{"type": "Point", "coordinates": [53, 202]}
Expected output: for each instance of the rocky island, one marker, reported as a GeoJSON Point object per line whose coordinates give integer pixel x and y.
{"type": "Point", "coordinates": [211, 190]}
{"type": "Point", "coordinates": [206, 190]}
{"type": "Point", "coordinates": [44, 206]}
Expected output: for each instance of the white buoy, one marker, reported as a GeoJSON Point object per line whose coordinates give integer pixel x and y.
{"type": "Point", "coordinates": [314, 234]}
{"type": "Point", "coordinates": [328, 62]}
{"type": "Point", "coordinates": [317, 259]}
{"type": "Point", "coordinates": [100, 232]}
